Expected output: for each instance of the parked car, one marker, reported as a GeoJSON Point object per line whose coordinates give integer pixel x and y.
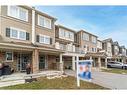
{"type": "Point", "coordinates": [113, 64]}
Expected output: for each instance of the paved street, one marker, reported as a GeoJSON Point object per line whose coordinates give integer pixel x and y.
{"type": "Point", "coordinates": [109, 80]}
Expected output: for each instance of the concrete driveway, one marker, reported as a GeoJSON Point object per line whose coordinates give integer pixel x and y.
{"type": "Point", "coordinates": [109, 80]}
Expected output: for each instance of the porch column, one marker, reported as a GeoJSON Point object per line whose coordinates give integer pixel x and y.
{"type": "Point", "coordinates": [90, 57]}
{"type": "Point", "coordinates": [35, 61]}
{"type": "Point", "coordinates": [61, 63]}
{"type": "Point", "coordinates": [106, 62]}
{"type": "Point", "coordinates": [73, 63]}
{"type": "Point", "coordinates": [99, 62]}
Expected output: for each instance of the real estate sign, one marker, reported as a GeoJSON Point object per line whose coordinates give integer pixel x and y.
{"type": "Point", "coordinates": [84, 70]}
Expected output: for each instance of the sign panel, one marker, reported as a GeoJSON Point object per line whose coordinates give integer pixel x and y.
{"type": "Point", "coordinates": [84, 69]}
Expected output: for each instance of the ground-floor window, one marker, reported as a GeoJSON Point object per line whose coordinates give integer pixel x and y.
{"type": "Point", "coordinates": [9, 56]}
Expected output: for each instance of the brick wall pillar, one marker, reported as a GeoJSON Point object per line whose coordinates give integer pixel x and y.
{"type": "Point", "coordinates": [106, 62]}
{"type": "Point", "coordinates": [61, 63]}
{"type": "Point", "coordinates": [99, 62]}
{"type": "Point", "coordinates": [73, 63]}
{"type": "Point", "coordinates": [35, 61]}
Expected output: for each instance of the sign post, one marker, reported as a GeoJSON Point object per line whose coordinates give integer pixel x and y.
{"type": "Point", "coordinates": [83, 70]}
{"type": "Point", "coordinates": [77, 62]}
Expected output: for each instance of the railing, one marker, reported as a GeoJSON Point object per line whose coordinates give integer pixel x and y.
{"type": "Point", "coordinates": [63, 47]}
{"type": "Point", "coordinates": [71, 49]}
{"type": "Point", "coordinates": [79, 50]}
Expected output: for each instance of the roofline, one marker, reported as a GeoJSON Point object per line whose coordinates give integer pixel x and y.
{"type": "Point", "coordinates": [99, 40]}
{"type": "Point", "coordinates": [61, 26]}
{"type": "Point", "coordinates": [87, 32]}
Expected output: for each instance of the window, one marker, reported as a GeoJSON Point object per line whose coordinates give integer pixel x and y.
{"type": "Point", "coordinates": [9, 56]}
{"type": "Point", "coordinates": [93, 49]}
{"type": "Point", "coordinates": [44, 39]}
{"type": "Point", "coordinates": [44, 22]}
{"type": "Point", "coordinates": [85, 36]}
{"type": "Point", "coordinates": [64, 34]}
{"type": "Point", "coordinates": [18, 12]}
{"type": "Point", "coordinates": [41, 21]}
{"type": "Point", "coordinates": [61, 33]}
{"type": "Point", "coordinates": [23, 14]}
{"type": "Point", "coordinates": [47, 40]}
{"type": "Point", "coordinates": [94, 39]}
{"type": "Point", "coordinates": [18, 34]}
{"type": "Point", "coordinates": [14, 33]}
{"type": "Point", "coordinates": [22, 35]}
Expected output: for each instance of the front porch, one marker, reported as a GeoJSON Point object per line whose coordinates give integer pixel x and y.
{"type": "Point", "coordinates": [40, 58]}
{"type": "Point", "coordinates": [99, 59]}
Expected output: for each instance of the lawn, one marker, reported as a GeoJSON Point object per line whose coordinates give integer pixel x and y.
{"type": "Point", "coordinates": [114, 70]}
{"type": "Point", "coordinates": [58, 83]}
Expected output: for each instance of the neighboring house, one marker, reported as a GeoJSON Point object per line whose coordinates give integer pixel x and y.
{"type": "Point", "coordinates": [107, 46]}
{"type": "Point", "coordinates": [115, 48]}
{"type": "Point", "coordinates": [122, 52]}
{"type": "Point", "coordinates": [87, 41]}
{"type": "Point", "coordinates": [115, 51]}
{"type": "Point", "coordinates": [99, 46]}
{"type": "Point", "coordinates": [27, 36]}
{"type": "Point", "coordinates": [66, 40]}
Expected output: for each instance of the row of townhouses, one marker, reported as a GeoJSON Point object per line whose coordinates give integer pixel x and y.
{"type": "Point", "coordinates": [31, 36]}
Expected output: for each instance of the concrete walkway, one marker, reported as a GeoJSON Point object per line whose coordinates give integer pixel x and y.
{"type": "Point", "coordinates": [109, 80]}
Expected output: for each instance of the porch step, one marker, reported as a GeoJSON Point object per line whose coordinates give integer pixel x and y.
{"type": "Point", "coordinates": [10, 83]}
{"type": "Point", "coordinates": [11, 78]}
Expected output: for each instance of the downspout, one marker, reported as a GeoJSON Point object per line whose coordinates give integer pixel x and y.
{"type": "Point", "coordinates": [33, 26]}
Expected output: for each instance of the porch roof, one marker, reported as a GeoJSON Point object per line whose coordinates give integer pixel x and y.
{"type": "Point", "coordinates": [97, 54]}
{"type": "Point", "coordinates": [28, 47]}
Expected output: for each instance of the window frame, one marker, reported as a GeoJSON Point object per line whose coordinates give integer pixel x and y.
{"type": "Point", "coordinates": [86, 37]}
{"type": "Point", "coordinates": [94, 40]}
{"type": "Point", "coordinates": [17, 16]}
{"type": "Point", "coordinates": [44, 23]}
{"type": "Point", "coordinates": [65, 34]}
{"type": "Point", "coordinates": [45, 36]}
{"type": "Point", "coordinates": [11, 58]}
{"type": "Point", "coordinates": [18, 33]}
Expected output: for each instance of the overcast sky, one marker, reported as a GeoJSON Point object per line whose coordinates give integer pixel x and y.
{"type": "Point", "coordinates": [103, 21]}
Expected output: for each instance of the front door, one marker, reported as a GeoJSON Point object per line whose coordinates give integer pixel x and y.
{"type": "Point", "coordinates": [23, 60]}
{"type": "Point", "coordinates": [41, 62]}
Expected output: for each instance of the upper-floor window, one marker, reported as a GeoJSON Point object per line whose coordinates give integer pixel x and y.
{"type": "Point", "coordinates": [17, 33]}
{"type": "Point", "coordinates": [44, 39]}
{"type": "Point", "coordinates": [66, 34]}
{"type": "Point", "coordinates": [93, 49]}
{"type": "Point", "coordinates": [85, 36]}
{"type": "Point", "coordinates": [44, 22]}
{"type": "Point", "coordinates": [61, 33]}
{"type": "Point", "coordinates": [94, 40]}
{"type": "Point", "coordinates": [18, 12]}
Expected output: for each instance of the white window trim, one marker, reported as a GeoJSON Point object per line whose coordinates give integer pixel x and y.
{"type": "Point", "coordinates": [50, 27]}
{"type": "Point", "coordinates": [45, 36]}
{"type": "Point", "coordinates": [94, 40]}
{"type": "Point", "coordinates": [12, 56]}
{"type": "Point", "coordinates": [64, 36]}
{"type": "Point", "coordinates": [86, 37]}
{"type": "Point", "coordinates": [8, 13]}
{"type": "Point", "coordinates": [18, 30]}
